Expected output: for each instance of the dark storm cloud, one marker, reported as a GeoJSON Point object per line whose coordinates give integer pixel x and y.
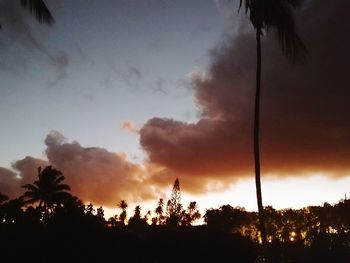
{"type": "Point", "coordinates": [305, 108]}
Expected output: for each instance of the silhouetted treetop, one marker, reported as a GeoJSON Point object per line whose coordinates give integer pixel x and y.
{"type": "Point", "coordinates": [277, 15]}
{"type": "Point", "coordinates": [40, 10]}
{"type": "Point", "coordinates": [174, 206]}
{"type": "Point", "coordinates": [3, 197]}
{"type": "Point", "coordinates": [48, 190]}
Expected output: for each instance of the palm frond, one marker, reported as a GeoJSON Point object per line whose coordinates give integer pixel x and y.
{"type": "Point", "coordinates": [30, 187]}
{"type": "Point", "coordinates": [296, 3]}
{"type": "Point", "coordinates": [62, 187]}
{"type": "Point", "coordinates": [40, 10]}
{"type": "Point", "coordinates": [3, 197]}
{"type": "Point", "coordinates": [62, 195]}
{"type": "Point", "coordinates": [48, 190]}
{"type": "Point", "coordinates": [30, 194]}
{"type": "Point", "coordinates": [277, 15]}
{"type": "Point", "coordinates": [30, 201]}
{"type": "Point", "coordinates": [292, 46]}
{"type": "Point", "coordinates": [59, 179]}
{"type": "Point", "coordinates": [246, 4]}
{"type": "Point", "coordinates": [280, 18]}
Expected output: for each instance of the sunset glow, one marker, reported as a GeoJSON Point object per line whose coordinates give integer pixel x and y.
{"type": "Point", "coordinates": [125, 102]}
{"type": "Point", "coordinates": [174, 131]}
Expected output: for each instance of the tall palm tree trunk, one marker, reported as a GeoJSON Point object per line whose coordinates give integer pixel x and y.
{"type": "Point", "coordinates": [256, 138]}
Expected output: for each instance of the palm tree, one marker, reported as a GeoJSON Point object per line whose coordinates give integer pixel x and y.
{"type": "Point", "coordinates": [123, 206]}
{"type": "Point", "coordinates": [3, 198]}
{"type": "Point", "coordinates": [48, 190]}
{"type": "Point", "coordinates": [159, 211]}
{"type": "Point", "coordinates": [264, 16]}
{"type": "Point", "coordinates": [191, 215]}
{"type": "Point", "coordinates": [40, 10]}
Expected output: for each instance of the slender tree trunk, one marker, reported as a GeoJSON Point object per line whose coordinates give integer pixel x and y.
{"type": "Point", "coordinates": [256, 139]}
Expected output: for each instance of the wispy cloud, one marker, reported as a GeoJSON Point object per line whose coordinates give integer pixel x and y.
{"type": "Point", "coordinates": [159, 86]}
{"type": "Point", "coordinates": [131, 76]}
{"type": "Point", "coordinates": [129, 126]}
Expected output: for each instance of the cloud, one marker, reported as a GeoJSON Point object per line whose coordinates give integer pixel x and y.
{"type": "Point", "coordinates": [82, 54]}
{"type": "Point", "coordinates": [304, 108]}
{"type": "Point", "coordinates": [159, 87]}
{"type": "Point", "coordinates": [224, 7]}
{"type": "Point", "coordinates": [304, 122]}
{"type": "Point", "coordinates": [60, 60]}
{"type": "Point", "coordinates": [128, 125]}
{"type": "Point", "coordinates": [94, 174]}
{"type": "Point", "coordinates": [28, 168]}
{"type": "Point", "coordinates": [26, 172]}
{"type": "Point", "coordinates": [8, 181]}
{"type": "Point", "coordinates": [131, 77]}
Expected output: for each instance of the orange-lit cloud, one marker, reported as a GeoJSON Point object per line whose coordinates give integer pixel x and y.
{"type": "Point", "coordinates": [304, 108]}
{"type": "Point", "coordinates": [94, 174]}
{"type": "Point", "coordinates": [10, 182]}
{"type": "Point", "coordinates": [304, 122]}
{"type": "Point", "coordinates": [128, 125]}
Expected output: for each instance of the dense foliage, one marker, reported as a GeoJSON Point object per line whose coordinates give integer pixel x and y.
{"type": "Point", "coordinates": [66, 230]}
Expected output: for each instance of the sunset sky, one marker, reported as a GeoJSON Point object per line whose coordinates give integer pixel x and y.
{"type": "Point", "coordinates": [124, 96]}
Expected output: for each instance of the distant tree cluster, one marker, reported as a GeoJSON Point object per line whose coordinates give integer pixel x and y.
{"type": "Point", "coordinates": [287, 225]}
{"type": "Point", "coordinates": [172, 215]}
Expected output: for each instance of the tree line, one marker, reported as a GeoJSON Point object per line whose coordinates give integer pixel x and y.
{"type": "Point", "coordinates": [47, 211]}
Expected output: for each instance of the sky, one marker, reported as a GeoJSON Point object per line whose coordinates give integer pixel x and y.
{"type": "Point", "coordinates": [125, 96]}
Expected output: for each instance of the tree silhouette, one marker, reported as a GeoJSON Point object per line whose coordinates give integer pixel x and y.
{"type": "Point", "coordinates": [191, 214]}
{"type": "Point", "coordinates": [136, 221]}
{"type": "Point", "coordinates": [147, 216]}
{"type": "Point", "coordinates": [12, 211]}
{"type": "Point", "coordinates": [174, 206]}
{"type": "Point", "coordinates": [265, 15]}
{"type": "Point", "coordinates": [48, 190]}
{"type": "Point", "coordinates": [3, 198]}
{"type": "Point", "coordinates": [40, 10]}
{"type": "Point", "coordinates": [123, 206]}
{"type": "Point", "coordinates": [159, 211]}
{"type": "Point", "coordinates": [227, 218]}
{"type": "Point", "coordinates": [100, 213]}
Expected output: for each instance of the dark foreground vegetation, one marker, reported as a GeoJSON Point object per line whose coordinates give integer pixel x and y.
{"type": "Point", "coordinates": [47, 224]}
